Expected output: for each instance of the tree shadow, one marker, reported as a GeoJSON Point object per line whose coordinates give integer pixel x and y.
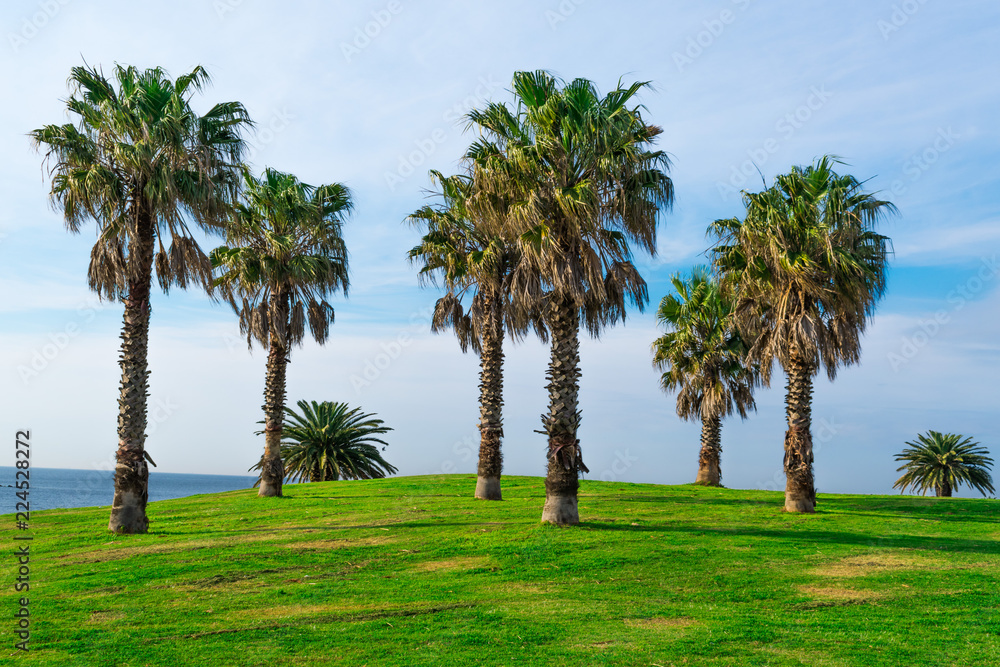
{"type": "Point", "coordinates": [896, 541]}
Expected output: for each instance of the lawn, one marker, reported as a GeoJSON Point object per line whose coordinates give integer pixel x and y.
{"type": "Point", "coordinates": [413, 571]}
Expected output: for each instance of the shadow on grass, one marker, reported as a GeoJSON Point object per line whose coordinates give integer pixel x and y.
{"type": "Point", "coordinates": [966, 510]}
{"type": "Point", "coordinates": [960, 517]}
{"type": "Point", "coordinates": [819, 537]}
{"type": "Point", "coordinates": [936, 506]}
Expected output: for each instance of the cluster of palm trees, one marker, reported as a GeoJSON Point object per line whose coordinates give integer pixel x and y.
{"type": "Point", "coordinates": [143, 165]}
{"type": "Point", "coordinates": [796, 281]}
{"type": "Point", "coordinates": [534, 235]}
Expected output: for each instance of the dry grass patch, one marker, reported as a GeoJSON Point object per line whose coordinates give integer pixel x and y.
{"type": "Point", "coordinates": [525, 589]}
{"type": "Point", "coordinates": [112, 551]}
{"type": "Point", "coordinates": [295, 611]}
{"type": "Point", "coordinates": [326, 545]}
{"type": "Point", "coordinates": [659, 622]}
{"type": "Point", "coordinates": [860, 566]}
{"type": "Point", "coordinates": [838, 593]}
{"type": "Point", "coordinates": [100, 617]}
{"type": "Point", "coordinates": [460, 563]}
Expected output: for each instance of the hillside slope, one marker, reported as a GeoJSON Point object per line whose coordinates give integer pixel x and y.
{"type": "Point", "coordinates": [413, 571]}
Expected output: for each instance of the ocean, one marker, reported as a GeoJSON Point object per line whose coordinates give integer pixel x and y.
{"type": "Point", "coordinates": [53, 488]}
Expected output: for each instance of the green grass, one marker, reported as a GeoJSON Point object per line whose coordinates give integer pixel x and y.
{"type": "Point", "coordinates": [413, 571]}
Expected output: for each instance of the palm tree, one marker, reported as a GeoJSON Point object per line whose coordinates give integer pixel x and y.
{"type": "Point", "coordinates": [807, 270]}
{"type": "Point", "coordinates": [702, 356]}
{"type": "Point", "coordinates": [473, 262]}
{"type": "Point", "coordinates": [582, 185]}
{"type": "Point", "coordinates": [284, 256]}
{"type": "Point", "coordinates": [142, 164]}
{"type": "Point", "coordinates": [943, 462]}
{"type": "Point", "coordinates": [331, 441]}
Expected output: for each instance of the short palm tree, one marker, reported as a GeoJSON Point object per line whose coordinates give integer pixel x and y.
{"type": "Point", "coordinates": [285, 255]}
{"type": "Point", "coordinates": [807, 270]}
{"type": "Point", "coordinates": [332, 441]}
{"type": "Point", "coordinates": [582, 184]}
{"type": "Point", "coordinates": [943, 462]}
{"type": "Point", "coordinates": [473, 263]}
{"type": "Point", "coordinates": [143, 165]}
{"type": "Point", "coordinates": [702, 357]}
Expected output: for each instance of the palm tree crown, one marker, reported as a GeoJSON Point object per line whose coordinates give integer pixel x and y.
{"type": "Point", "coordinates": [580, 184]}
{"type": "Point", "coordinates": [468, 257]}
{"type": "Point", "coordinates": [943, 462]}
{"type": "Point", "coordinates": [806, 266]}
{"type": "Point", "coordinates": [702, 353]}
{"type": "Point", "coordinates": [285, 251]}
{"type": "Point", "coordinates": [141, 158]}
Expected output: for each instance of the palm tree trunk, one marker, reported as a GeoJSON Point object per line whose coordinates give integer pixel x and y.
{"type": "Point", "coordinates": [709, 465]}
{"type": "Point", "coordinates": [491, 404]}
{"type": "Point", "coordinates": [272, 472]}
{"type": "Point", "coordinates": [128, 509]}
{"type": "Point", "coordinates": [800, 490]}
{"type": "Point", "coordinates": [564, 461]}
{"type": "Point", "coordinates": [943, 491]}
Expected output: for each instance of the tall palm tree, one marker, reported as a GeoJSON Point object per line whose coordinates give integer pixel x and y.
{"type": "Point", "coordinates": [807, 269]}
{"type": "Point", "coordinates": [472, 262]}
{"type": "Point", "coordinates": [331, 441]}
{"type": "Point", "coordinates": [944, 462]}
{"type": "Point", "coordinates": [285, 255]}
{"type": "Point", "coordinates": [587, 185]}
{"type": "Point", "coordinates": [702, 357]}
{"type": "Point", "coordinates": [143, 165]}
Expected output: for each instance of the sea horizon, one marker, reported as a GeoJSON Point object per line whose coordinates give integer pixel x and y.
{"type": "Point", "coordinates": [65, 488]}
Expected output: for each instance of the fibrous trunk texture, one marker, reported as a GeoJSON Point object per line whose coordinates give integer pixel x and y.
{"type": "Point", "coordinates": [943, 491]}
{"type": "Point", "coordinates": [800, 490]}
{"type": "Point", "coordinates": [128, 509]}
{"type": "Point", "coordinates": [491, 404]}
{"type": "Point", "coordinates": [709, 464]}
{"type": "Point", "coordinates": [272, 471]}
{"type": "Point", "coordinates": [564, 460]}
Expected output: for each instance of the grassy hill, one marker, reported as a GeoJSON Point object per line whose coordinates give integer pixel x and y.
{"type": "Point", "coordinates": [413, 571]}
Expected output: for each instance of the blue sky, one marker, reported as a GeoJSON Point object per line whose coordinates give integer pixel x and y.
{"type": "Point", "coordinates": [369, 93]}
